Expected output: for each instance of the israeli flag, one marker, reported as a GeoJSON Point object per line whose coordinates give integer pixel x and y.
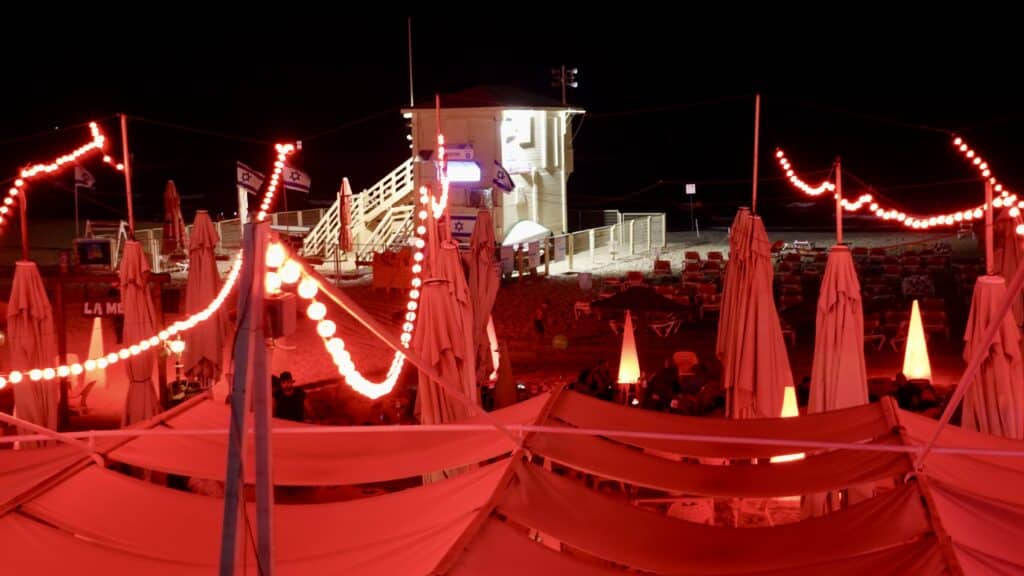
{"type": "Point", "coordinates": [295, 179]}
{"type": "Point", "coordinates": [501, 178]}
{"type": "Point", "coordinates": [462, 227]}
{"type": "Point", "coordinates": [249, 179]}
{"type": "Point", "coordinates": [84, 179]}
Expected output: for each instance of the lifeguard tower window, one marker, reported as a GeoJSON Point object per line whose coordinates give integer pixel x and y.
{"type": "Point", "coordinates": [480, 199]}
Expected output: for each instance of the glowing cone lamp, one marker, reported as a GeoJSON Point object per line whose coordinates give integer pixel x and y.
{"type": "Point", "coordinates": [96, 351]}
{"type": "Point", "coordinates": [629, 363]}
{"type": "Point", "coordinates": [492, 340]}
{"type": "Point", "coordinates": [789, 410]}
{"type": "Point", "coordinates": [915, 358]}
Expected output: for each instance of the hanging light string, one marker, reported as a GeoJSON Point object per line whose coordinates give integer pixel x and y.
{"type": "Point", "coordinates": [1005, 197]}
{"type": "Point", "coordinates": [287, 271]}
{"type": "Point", "coordinates": [37, 171]}
{"type": "Point", "coordinates": [175, 329]}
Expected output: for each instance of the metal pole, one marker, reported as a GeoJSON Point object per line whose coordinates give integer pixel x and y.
{"type": "Point", "coordinates": [250, 366]}
{"type": "Point", "coordinates": [648, 234]}
{"type": "Point", "coordinates": [572, 249]}
{"type": "Point", "coordinates": [62, 350]}
{"type": "Point", "coordinates": [263, 406]}
{"type": "Point", "coordinates": [989, 260]}
{"type": "Point", "coordinates": [23, 204]}
{"type": "Point", "coordinates": [77, 234]}
{"type": "Point", "coordinates": [693, 223]}
{"type": "Point", "coordinates": [127, 174]}
{"type": "Point", "coordinates": [562, 78]}
{"type": "Point", "coordinates": [591, 240]}
{"type": "Point", "coordinates": [757, 131]}
{"type": "Point", "coordinates": [412, 100]}
{"type": "Point", "coordinates": [839, 201]}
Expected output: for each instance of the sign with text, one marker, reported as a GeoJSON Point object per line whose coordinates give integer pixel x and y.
{"type": "Point", "coordinates": [458, 151]}
{"type": "Point", "coordinates": [102, 308]}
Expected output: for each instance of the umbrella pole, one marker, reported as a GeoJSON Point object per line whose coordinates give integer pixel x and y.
{"type": "Point", "coordinates": [127, 175]}
{"type": "Point", "coordinates": [757, 133]}
{"type": "Point", "coordinates": [989, 260]}
{"type": "Point", "coordinates": [24, 224]}
{"type": "Point", "coordinates": [839, 201]}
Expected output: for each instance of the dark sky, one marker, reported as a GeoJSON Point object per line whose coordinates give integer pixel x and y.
{"type": "Point", "coordinates": [669, 97]}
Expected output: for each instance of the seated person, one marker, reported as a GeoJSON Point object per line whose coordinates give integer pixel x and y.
{"type": "Point", "coordinates": [662, 387]}
{"type": "Point", "coordinates": [291, 401]}
{"type": "Point", "coordinates": [601, 381]}
{"type": "Point", "coordinates": [692, 383]}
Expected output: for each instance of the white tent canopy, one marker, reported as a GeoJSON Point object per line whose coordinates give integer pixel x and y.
{"type": "Point", "coordinates": [525, 231]}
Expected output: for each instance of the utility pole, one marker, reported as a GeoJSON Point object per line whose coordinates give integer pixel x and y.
{"type": "Point", "coordinates": [564, 78]}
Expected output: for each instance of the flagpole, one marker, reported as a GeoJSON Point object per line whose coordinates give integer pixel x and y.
{"type": "Point", "coordinates": [412, 100]}
{"type": "Point", "coordinates": [77, 235]}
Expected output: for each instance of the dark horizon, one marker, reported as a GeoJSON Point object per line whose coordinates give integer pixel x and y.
{"type": "Point", "coordinates": [669, 100]}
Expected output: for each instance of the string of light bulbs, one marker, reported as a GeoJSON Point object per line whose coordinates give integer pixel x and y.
{"type": "Point", "coordinates": [32, 172]}
{"type": "Point", "coordinates": [287, 271]}
{"type": "Point", "coordinates": [175, 329]}
{"type": "Point", "coordinates": [102, 362]}
{"type": "Point", "coordinates": [1005, 197]}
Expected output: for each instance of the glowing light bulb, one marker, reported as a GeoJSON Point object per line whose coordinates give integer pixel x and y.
{"type": "Point", "coordinates": [308, 288]}
{"type": "Point", "coordinates": [273, 282]}
{"type": "Point", "coordinates": [326, 328]}
{"type": "Point", "coordinates": [290, 272]}
{"type": "Point", "coordinates": [176, 346]}
{"type": "Point", "coordinates": [335, 346]}
{"type": "Point", "coordinates": [316, 311]}
{"type": "Point", "coordinates": [275, 255]}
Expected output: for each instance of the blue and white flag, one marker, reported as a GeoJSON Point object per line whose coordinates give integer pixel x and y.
{"type": "Point", "coordinates": [83, 179]}
{"type": "Point", "coordinates": [501, 178]}
{"type": "Point", "coordinates": [295, 179]}
{"type": "Point", "coordinates": [249, 179]}
{"type": "Point", "coordinates": [462, 227]}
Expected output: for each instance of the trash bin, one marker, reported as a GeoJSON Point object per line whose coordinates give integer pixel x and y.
{"type": "Point", "coordinates": [585, 280]}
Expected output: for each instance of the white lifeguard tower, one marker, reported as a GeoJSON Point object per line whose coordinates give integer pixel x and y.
{"type": "Point", "coordinates": [484, 128]}
{"type": "Point", "coordinates": [487, 128]}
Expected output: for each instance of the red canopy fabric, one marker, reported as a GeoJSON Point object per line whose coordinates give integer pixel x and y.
{"type": "Point", "coordinates": [755, 363]}
{"type": "Point", "coordinates": [32, 343]}
{"type": "Point", "coordinates": [204, 344]}
{"type": "Point", "coordinates": [139, 323]}
{"type": "Point", "coordinates": [995, 402]}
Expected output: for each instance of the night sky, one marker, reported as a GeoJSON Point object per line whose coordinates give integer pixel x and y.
{"type": "Point", "coordinates": [669, 99]}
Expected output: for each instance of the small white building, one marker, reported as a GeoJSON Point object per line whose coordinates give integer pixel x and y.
{"type": "Point", "coordinates": [485, 128]}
